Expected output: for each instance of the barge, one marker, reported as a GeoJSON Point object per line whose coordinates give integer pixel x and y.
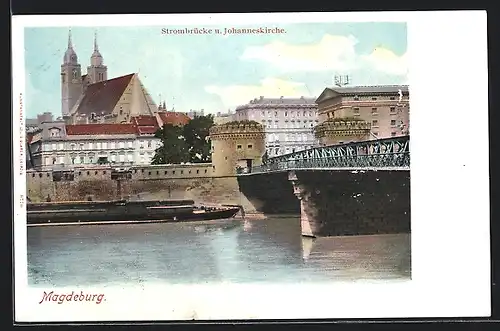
{"type": "Point", "coordinates": [123, 211]}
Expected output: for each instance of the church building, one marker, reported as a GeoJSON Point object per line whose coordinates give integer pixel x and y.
{"type": "Point", "coordinates": [93, 98]}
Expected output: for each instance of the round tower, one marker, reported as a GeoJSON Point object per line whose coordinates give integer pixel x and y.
{"type": "Point", "coordinates": [342, 130]}
{"type": "Point", "coordinates": [238, 144]}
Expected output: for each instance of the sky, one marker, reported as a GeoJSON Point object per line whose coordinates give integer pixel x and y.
{"type": "Point", "coordinates": [218, 72]}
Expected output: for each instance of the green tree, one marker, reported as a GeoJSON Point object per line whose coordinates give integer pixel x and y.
{"type": "Point", "coordinates": [173, 148]}
{"type": "Point", "coordinates": [198, 138]}
{"type": "Point", "coordinates": [190, 143]}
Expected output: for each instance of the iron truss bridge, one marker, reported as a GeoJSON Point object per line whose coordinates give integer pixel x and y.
{"type": "Point", "coordinates": [391, 152]}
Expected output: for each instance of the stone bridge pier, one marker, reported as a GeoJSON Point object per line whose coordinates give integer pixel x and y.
{"type": "Point", "coordinates": [346, 202]}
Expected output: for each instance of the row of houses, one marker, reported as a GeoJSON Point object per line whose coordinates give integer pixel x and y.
{"type": "Point", "coordinates": [56, 144]}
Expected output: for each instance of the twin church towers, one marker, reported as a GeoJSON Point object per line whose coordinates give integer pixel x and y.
{"type": "Point", "coordinates": [73, 83]}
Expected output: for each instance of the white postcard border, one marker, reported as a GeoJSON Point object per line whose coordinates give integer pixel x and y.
{"type": "Point", "coordinates": [449, 191]}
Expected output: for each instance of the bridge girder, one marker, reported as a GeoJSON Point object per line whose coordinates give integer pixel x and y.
{"type": "Point", "coordinates": [381, 153]}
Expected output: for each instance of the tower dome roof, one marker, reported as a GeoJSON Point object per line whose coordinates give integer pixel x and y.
{"type": "Point", "coordinates": [96, 58]}
{"type": "Point", "coordinates": [70, 56]}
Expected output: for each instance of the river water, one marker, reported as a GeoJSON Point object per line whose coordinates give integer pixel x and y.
{"type": "Point", "coordinates": [269, 250]}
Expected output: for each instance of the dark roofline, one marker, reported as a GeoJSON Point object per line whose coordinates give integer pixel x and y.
{"type": "Point", "coordinates": [110, 80]}
{"type": "Point", "coordinates": [369, 89]}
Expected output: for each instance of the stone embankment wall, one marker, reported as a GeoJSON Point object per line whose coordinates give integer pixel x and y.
{"type": "Point", "coordinates": [194, 181]}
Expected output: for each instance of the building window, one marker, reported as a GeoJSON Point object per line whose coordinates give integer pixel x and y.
{"type": "Point", "coordinates": [249, 146]}
{"type": "Point", "coordinates": [356, 98]}
{"type": "Point", "coordinates": [82, 159]}
{"type": "Point", "coordinates": [374, 110]}
{"type": "Point", "coordinates": [374, 98]}
{"type": "Point", "coordinates": [238, 147]}
{"type": "Point", "coordinates": [393, 122]}
{"type": "Point", "coordinates": [392, 98]}
{"type": "Point", "coordinates": [149, 144]}
{"type": "Point", "coordinates": [375, 123]}
{"type": "Point", "coordinates": [393, 134]}
{"type": "Point", "coordinates": [393, 109]}
{"type": "Point", "coordinates": [356, 111]}
{"type": "Point", "coordinates": [122, 144]}
{"type": "Point", "coordinates": [75, 74]}
{"type": "Point", "coordinates": [286, 114]}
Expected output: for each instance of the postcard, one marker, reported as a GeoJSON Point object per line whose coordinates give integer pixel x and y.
{"type": "Point", "coordinates": [250, 166]}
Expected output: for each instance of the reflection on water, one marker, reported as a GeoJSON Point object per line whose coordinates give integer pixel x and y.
{"type": "Point", "coordinates": [270, 250]}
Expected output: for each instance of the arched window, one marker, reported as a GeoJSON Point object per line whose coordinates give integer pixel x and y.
{"type": "Point", "coordinates": [75, 74]}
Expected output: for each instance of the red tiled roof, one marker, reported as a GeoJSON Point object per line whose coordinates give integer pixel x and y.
{"type": "Point", "coordinates": [174, 118]}
{"type": "Point", "coordinates": [101, 98]}
{"type": "Point", "coordinates": [100, 129]}
{"type": "Point", "coordinates": [145, 124]}
{"type": "Point", "coordinates": [146, 129]}
{"type": "Point", "coordinates": [144, 120]}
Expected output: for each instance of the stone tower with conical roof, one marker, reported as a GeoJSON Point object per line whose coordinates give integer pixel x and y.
{"type": "Point", "coordinates": [71, 79]}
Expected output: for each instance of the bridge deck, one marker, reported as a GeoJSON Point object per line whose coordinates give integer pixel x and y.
{"type": "Point", "coordinates": [389, 153]}
{"type": "Point", "coordinates": [351, 169]}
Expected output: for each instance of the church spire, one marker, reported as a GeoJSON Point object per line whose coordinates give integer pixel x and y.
{"type": "Point", "coordinates": [97, 71]}
{"type": "Point", "coordinates": [70, 54]}
{"type": "Point", "coordinates": [70, 42]}
{"type": "Point", "coordinates": [96, 59]}
{"type": "Point", "coordinates": [96, 48]}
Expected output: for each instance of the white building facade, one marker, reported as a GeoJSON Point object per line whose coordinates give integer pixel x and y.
{"type": "Point", "coordinates": [289, 122]}
{"type": "Point", "coordinates": [58, 145]}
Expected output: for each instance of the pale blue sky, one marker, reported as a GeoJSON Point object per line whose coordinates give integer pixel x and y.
{"type": "Point", "coordinates": [215, 72]}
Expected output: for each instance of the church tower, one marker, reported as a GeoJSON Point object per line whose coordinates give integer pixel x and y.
{"type": "Point", "coordinates": [71, 79]}
{"type": "Point", "coordinates": [97, 71]}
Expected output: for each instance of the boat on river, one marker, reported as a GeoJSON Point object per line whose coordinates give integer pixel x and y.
{"type": "Point", "coordinates": [124, 211]}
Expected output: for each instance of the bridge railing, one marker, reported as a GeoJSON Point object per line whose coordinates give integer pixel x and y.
{"type": "Point", "coordinates": [369, 147]}
{"type": "Point", "coordinates": [382, 160]}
